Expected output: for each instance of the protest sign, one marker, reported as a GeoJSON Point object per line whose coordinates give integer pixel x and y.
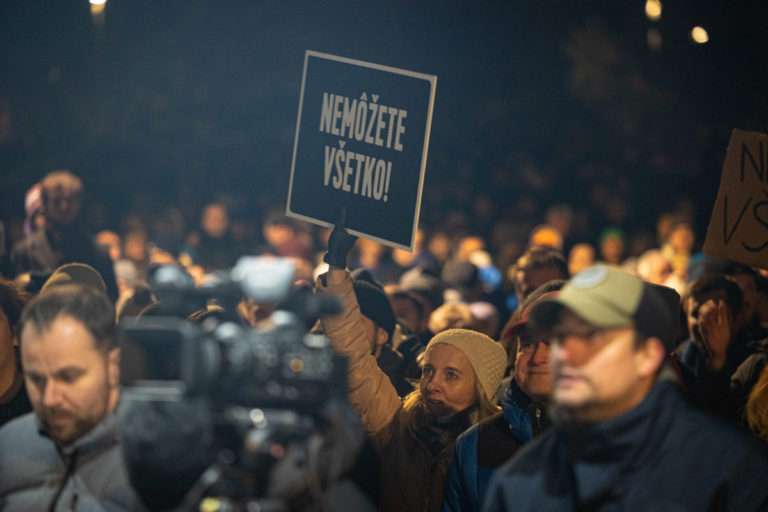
{"type": "Point", "coordinates": [738, 229]}
{"type": "Point", "coordinates": [362, 135]}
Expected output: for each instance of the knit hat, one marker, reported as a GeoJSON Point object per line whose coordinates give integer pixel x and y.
{"type": "Point", "coordinates": [375, 305]}
{"type": "Point", "coordinates": [487, 357]}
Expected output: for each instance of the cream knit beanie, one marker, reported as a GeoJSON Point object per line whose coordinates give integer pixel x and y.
{"type": "Point", "coordinates": [487, 357]}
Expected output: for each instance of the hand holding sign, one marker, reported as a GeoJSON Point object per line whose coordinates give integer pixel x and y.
{"type": "Point", "coordinates": [340, 243]}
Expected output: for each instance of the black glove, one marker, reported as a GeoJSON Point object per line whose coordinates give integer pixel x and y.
{"type": "Point", "coordinates": [339, 244]}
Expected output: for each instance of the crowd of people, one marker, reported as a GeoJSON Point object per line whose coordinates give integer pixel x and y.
{"type": "Point", "coordinates": [489, 371]}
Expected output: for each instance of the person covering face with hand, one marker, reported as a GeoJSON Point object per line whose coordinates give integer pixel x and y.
{"type": "Point", "coordinates": [721, 361]}
{"type": "Point", "coordinates": [461, 371]}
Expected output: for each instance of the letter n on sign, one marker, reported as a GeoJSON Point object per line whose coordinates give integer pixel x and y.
{"type": "Point", "coordinates": [738, 228]}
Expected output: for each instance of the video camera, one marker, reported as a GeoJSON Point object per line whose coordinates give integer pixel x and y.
{"type": "Point", "coordinates": [247, 397]}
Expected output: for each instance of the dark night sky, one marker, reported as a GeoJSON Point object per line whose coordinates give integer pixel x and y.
{"type": "Point", "coordinates": [202, 94]}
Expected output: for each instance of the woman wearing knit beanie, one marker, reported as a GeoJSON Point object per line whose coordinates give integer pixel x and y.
{"type": "Point", "coordinates": [461, 370]}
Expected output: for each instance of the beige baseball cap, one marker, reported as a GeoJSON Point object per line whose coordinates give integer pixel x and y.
{"type": "Point", "coordinates": [608, 297]}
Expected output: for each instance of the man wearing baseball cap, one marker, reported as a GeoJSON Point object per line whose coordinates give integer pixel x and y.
{"type": "Point", "coordinates": [624, 438]}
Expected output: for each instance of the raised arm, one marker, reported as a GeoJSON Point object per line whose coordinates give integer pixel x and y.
{"type": "Point", "coordinates": [370, 390]}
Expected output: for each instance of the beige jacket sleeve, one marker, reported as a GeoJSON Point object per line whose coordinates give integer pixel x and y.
{"type": "Point", "coordinates": [371, 392]}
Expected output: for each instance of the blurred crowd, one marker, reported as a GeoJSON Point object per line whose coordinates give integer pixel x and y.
{"type": "Point", "coordinates": [519, 358]}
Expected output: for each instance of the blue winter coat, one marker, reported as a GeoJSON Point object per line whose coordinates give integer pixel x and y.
{"type": "Point", "coordinates": [484, 447]}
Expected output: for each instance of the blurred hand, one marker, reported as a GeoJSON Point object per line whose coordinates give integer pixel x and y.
{"type": "Point", "coordinates": [715, 331]}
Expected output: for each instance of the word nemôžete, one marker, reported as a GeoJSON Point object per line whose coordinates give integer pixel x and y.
{"type": "Point", "coordinates": [363, 120]}
{"type": "Point", "coordinates": [368, 122]}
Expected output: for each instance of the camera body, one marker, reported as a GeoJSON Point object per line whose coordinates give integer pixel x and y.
{"type": "Point", "coordinates": [283, 367]}
{"type": "Point", "coordinates": [249, 399]}
{"type": "Point", "coordinates": [166, 356]}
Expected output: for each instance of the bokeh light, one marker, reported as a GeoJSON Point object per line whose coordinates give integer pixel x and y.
{"type": "Point", "coordinates": [653, 9]}
{"type": "Point", "coordinates": [699, 35]}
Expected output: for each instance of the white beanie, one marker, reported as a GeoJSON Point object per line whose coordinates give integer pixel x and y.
{"type": "Point", "coordinates": [487, 357]}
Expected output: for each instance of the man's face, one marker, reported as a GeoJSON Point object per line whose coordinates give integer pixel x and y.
{"type": "Point", "coordinates": [440, 246]}
{"type": "Point", "coordinates": [612, 249]}
{"type": "Point", "coordinates": [72, 385]}
{"type": "Point", "coordinates": [215, 220]}
{"type": "Point", "coordinates": [62, 206]}
{"type": "Point", "coordinates": [681, 238]}
{"type": "Point", "coordinates": [598, 374]}
{"type": "Point", "coordinates": [448, 381]}
{"type": "Point", "coordinates": [136, 247]}
{"type": "Point", "coordinates": [581, 256]}
{"type": "Point", "coordinates": [532, 371]}
{"type": "Point", "coordinates": [279, 235]}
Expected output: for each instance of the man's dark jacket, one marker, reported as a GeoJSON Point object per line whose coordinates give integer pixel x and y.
{"type": "Point", "coordinates": [663, 455]}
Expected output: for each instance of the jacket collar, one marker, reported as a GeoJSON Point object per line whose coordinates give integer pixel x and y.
{"type": "Point", "coordinates": [97, 440]}
{"type": "Point", "coordinates": [602, 456]}
{"type": "Point", "coordinates": [519, 410]}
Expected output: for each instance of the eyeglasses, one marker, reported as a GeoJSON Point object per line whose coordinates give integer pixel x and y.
{"type": "Point", "coordinates": [582, 345]}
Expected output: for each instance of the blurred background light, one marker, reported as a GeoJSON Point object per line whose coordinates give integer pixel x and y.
{"type": "Point", "coordinates": [653, 9]}
{"type": "Point", "coordinates": [699, 35]}
{"type": "Point", "coordinates": [97, 11]}
{"type": "Point", "coordinates": [654, 39]}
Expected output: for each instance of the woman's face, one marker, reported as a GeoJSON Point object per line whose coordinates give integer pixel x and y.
{"type": "Point", "coordinates": [448, 382]}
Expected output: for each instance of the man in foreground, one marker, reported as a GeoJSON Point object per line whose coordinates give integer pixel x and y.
{"type": "Point", "coordinates": [66, 456]}
{"type": "Point", "coordinates": [624, 438]}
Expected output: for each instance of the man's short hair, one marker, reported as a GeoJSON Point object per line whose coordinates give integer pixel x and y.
{"type": "Point", "coordinates": [520, 316]}
{"type": "Point", "coordinates": [713, 283]}
{"type": "Point", "coordinates": [541, 257]}
{"type": "Point", "coordinates": [90, 307]}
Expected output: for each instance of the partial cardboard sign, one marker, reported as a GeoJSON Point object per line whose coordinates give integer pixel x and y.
{"type": "Point", "coordinates": [362, 137]}
{"type": "Point", "coordinates": [738, 229]}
